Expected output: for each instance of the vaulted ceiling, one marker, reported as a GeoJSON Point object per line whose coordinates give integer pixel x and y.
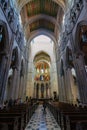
{"type": "Point", "coordinates": [41, 56]}
{"type": "Point", "coordinates": [41, 17]}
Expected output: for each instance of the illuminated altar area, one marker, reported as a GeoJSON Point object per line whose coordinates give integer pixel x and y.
{"type": "Point", "coordinates": [42, 87]}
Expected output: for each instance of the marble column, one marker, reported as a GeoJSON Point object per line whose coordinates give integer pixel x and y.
{"type": "Point", "coordinates": [17, 85]}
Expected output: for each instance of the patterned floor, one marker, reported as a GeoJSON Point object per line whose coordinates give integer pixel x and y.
{"type": "Point", "coordinates": [42, 121]}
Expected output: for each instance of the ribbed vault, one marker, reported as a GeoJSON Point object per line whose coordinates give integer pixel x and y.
{"type": "Point", "coordinates": [45, 15]}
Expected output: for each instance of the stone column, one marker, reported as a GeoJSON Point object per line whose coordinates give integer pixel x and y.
{"type": "Point", "coordinates": [21, 89]}
{"type": "Point", "coordinates": [46, 92]}
{"type": "Point", "coordinates": [63, 88]}
{"type": "Point", "coordinates": [17, 85]}
{"type": "Point", "coordinates": [19, 93]}
{"type": "Point", "coordinates": [13, 94]}
{"type": "Point", "coordinates": [81, 77]}
{"type": "Point", "coordinates": [34, 92]}
{"type": "Point", "coordinates": [38, 90]}
{"type": "Point", "coordinates": [3, 77]}
{"type": "Point", "coordinates": [69, 93]}
{"type": "Point", "coordinates": [74, 87]}
{"type": "Point", "coordinates": [50, 94]}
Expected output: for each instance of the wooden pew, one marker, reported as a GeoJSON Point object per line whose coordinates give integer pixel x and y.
{"type": "Point", "coordinates": [71, 122]}
{"type": "Point", "coordinates": [10, 123]}
{"type": "Point", "coordinates": [20, 115]}
{"type": "Point", "coordinates": [62, 111]}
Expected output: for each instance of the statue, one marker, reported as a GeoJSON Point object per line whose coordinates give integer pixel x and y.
{"type": "Point", "coordinates": [11, 15]}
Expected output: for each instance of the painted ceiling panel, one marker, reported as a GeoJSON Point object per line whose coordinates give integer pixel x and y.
{"type": "Point", "coordinates": [42, 23]}
{"type": "Point", "coordinates": [47, 7]}
{"type": "Point", "coordinates": [41, 14]}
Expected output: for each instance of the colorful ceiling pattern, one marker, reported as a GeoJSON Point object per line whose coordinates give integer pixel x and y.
{"type": "Point", "coordinates": [42, 24]}
{"type": "Point", "coordinates": [46, 15]}
{"type": "Point", "coordinates": [47, 7]}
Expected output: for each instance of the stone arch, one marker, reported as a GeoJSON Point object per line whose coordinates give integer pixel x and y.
{"type": "Point", "coordinates": [41, 16]}
{"type": "Point", "coordinates": [77, 33]}
{"type": "Point", "coordinates": [15, 58]}
{"type": "Point", "coordinates": [81, 40]}
{"type": "Point", "coordinates": [4, 40]}
{"type": "Point", "coordinates": [4, 49]}
{"type": "Point", "coordinates": [48, 59]}
{"type": "Point", "coordinates": [60, 3]}
{"type": "Point", "coordinates": [42, 32]}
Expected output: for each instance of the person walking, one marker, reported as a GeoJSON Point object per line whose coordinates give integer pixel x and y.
{"type": "Point", "coordinates": [44, 107]}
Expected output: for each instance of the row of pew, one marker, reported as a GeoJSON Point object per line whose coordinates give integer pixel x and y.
{"type": "Point", "coordinates": [16, 117]}
{"type": "Point", "coordinates": [68, 116]}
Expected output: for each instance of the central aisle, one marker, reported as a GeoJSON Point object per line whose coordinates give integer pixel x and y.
{"type": "Point", "coordinates": [41, 121]}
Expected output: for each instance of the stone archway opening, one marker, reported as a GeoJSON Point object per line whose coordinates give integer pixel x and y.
{"type": "Point", "coordinates": [83, 43]}
{"type": "Point", "coordinates": [4, 48]}
{"type": "Point", "coordinates": [72, 76]}
{"type": "Point", "coordinates": [11, 84]}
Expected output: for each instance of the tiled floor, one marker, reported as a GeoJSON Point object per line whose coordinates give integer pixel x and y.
{"type": "Point", "coordinates": [41, 121]}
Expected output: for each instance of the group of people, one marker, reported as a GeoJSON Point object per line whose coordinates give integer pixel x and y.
{"type": "Point", "coordinates": [9, 103]}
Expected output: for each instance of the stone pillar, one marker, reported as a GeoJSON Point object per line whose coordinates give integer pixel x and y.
{"type": "Point", "coordinates": [17, 85]}
{"type": "Point", "coordinates": [50, 94]}
{"type": "Point", "coordinates": [63, 94]}
{"type": "Point", "coordinates": [13, 94]}
{"type": "Point", "coordinates": [38, 90]}
{"type": "Point", "coordinates": [46, 91]}
{"type": "Point", "coordinates": [74, 87]}
{"type": "Point", "coordinates": [21, 87]}
{"type": "Point", "coordinates": [34, 92]}
{"type": "Point", "coordinates": [3, 77]}
{"type": "Point", "coordinates": [69, 93]}
{"type": "Point", "coordinates": [81, 77]}
{"type": "Point", "coordinates": [19, 93]}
